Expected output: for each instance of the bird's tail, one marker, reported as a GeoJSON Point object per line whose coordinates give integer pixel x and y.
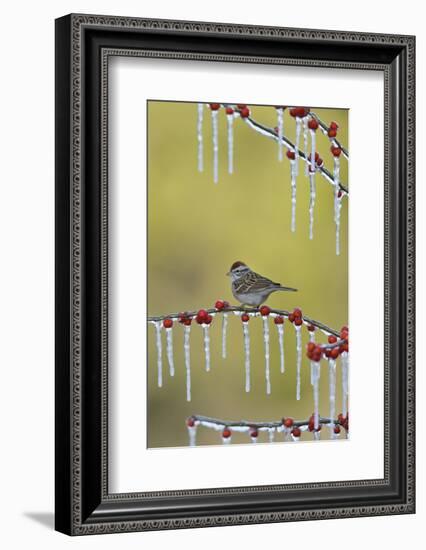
{"type": "Point", "coordinates": [288, 288]}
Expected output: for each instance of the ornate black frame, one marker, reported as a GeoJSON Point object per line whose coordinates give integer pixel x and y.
{"type": "Point", "coordinates": [83, 45]}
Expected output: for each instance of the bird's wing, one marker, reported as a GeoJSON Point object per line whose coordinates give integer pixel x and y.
{"type": "Point", "coordinates": [253, 282]}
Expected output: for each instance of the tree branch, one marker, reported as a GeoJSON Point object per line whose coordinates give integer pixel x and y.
{"type": "Point", "coordinates": [248, 424]}
{"type": "Point", "coordinates": [228, 309]}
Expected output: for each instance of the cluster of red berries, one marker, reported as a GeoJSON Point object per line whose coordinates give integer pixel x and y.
{"type": "Point", "coordinates": [332, 130]}
{"type": "Point", "coordinates": [221, 304]}
{"type": "Point", "coordinates": [315, 351]}
{"type": "Point", "coordinates": [244, 111]}
{"type": "Point", "coordinates": [343, 421]}
{"type": "Point", "coordinates": [296, 317]}
{"type": "Point", "coordinates": [318, 161]}
{"type": "Point", "coordinates": [311, 424]}
{"type": "Point", "coordinates": [203, 318]}
{"type": "Point", "coordinates": [299, 112]}
{"type": "Point", "coordinates": [184, 318]}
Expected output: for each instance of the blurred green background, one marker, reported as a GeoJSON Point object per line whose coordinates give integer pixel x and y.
{"type": "Point", "coordinates": [197, 229]}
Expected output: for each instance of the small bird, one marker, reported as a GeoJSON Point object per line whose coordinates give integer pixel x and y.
{"type": "Point", "coordinates": [249, 287]}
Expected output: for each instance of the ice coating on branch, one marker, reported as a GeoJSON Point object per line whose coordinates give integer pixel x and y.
{"type": "Point", "coordinates": [297, 142]}
{"type": "Point", "coordinates": [305, 142]}
{"type": "Point", "coordinates": [332, 393]}
{"type": "Point", "coordinates": [312, 196]}
{"type": "Point", "coordinates": [345, 382]}
{"type": "Point", "coordinates": [158, 326]}
{"type": "Point", "coordinates": [266, 343]}
{"type": "Point", "coordinates": [215, 134]}
{"type": "Point", "coordinates": [230, 126]}
{"type": "Point", "coordinates": [224, 328]}
{"type": "Point", "coordinates": [200, 136]}
{"type": "Point", "coordinates": [280, 329]}
{"type": "Point", "coordinates": [293, 194]}
{"type": "Point", "coordinates": [187, 352]}
{"type": "Point", "coordinates": [313, 148]}
{"type": "Point", "coordinates": [298, 330]}
{"type": "Point", "coordinates": [169, 350]}
{"type": "Point", "coordinates": [192, 435]}
{"type": "Point", "coordinates": [280, 123]}
{"type": "Point", "coordinates": [246, 335]}
{"type": "Point", "coordinates": [206, 337]}
{"type": "Point", "coordinates": [315, 376]}
{"type": "Point", "coordinates": [337, 212]}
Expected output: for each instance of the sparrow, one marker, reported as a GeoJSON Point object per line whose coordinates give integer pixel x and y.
{"type": "Point", "coordinates": [249, 287]}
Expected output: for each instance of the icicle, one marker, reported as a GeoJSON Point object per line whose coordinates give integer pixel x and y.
{"type": "Point", "coordinates": [280, 329]}
{"type": "Point", "coordinates": [169, 349]}
{"type": "Point", "coordinates": [280, 115]}
{"type": "Point", "coordinates": [230, 119]}
{"type": "Point", "coordinates": [337, 202]}
{"type": "Point", "coordinates": [332, 394]}
{"type": "Point", "coordinates": [206, 335]}
{"type": "Point", "coordinates": [192, 434]}
{"type": "Point", "coordinates": [345, 375]}
{"type": "Point", "coordinates": [299, 358]}
{"type": "Point", "coordinates": [224, 327]}
{"type": "Point", "coordinates": [158, 326]}
{"type": "Point", "coordinates": [247, 353]}
{"type": "Point", "coordinates": [266, 342]}
{"type": "Point", "coordinates": [312, 197]}
{"type": "Point", "coordinates": [215, 131]}
{"type": "Point", "coordinates": [313, 148]}
{"type": "Point", "coordinates": [315, 374]}
{"type": "Point", "coordinates": [271, 433]}
{"type": "Point", "coordinates": [317, 436]}
{"type": "Point", "coordinates": [296, 145]}
{"type": "Point", "coordinates": [305, 143]}
{"type": "Point", "coordinates": [253, 438]}
{"type": "Point", "coordinates": [200, 136]}
{"type": "Point", "coordinates": [293, 194]}
{"type": "Point", "coordinates": [186, 347]}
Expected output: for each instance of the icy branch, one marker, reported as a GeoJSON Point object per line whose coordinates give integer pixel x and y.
{"type": "Point", "coordinates": [207, 421]}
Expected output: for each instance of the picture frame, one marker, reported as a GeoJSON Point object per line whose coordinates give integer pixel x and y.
{"type": "Point", "coordinates": [84, 504]}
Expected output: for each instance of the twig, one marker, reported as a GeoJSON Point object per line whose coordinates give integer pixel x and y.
{"type": "Point", "coordinates": [324, 129]}
{"type": "Point", "coordinates": [248, 424]}
{"type": "Point", "coordinates": [284, 313]}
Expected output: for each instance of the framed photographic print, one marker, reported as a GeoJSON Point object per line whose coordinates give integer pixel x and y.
{"type": "Point", "coordinates": [234, 274]}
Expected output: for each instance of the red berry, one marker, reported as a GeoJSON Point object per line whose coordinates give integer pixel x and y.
{"type": "Point", "coordinates": [311, 328]}
{"type": "Point", "coordinates": [296, 432]}
{"type": "Point", "coordinates": [293, 111]}
{"type": "Point", "coordinates": [333, 125]}
{"type": "Point", "coordinates": [298, 321]}
{"type": "Point", "coordinates": [320, 162]}
{"type": "Point", "coordinates": [334, 353]}
{"type": "Point", "coordinates": [291, 317]}
{"type": "Point", "coordinates": [291, 155]}
{"type": "Point", "coordinates": [190, 422]}
{"type": "Point", "coordinates": [332, 133]}
{"type": "Point", "coordinates": [339, 194]}
{"type": "Point", "coordinates": [344, 348]}
{"type": "Point", "coordinates": [187, 322]}
{"type": "Point", "coordinates": [241, 105]}
{"type": "Point", "coordinates": [311, 347]}
{"type": "Point", "coordinates": [332, 339]}
{"type": "Point", "coordinates": [229, 111]}
{"type": "Point", "coordinates": [167, 323]}
{"type": "Point", "coordinates": [279, 320]}
{"type": "Point", "coordinates": [254, 433]}
{"type": "Point", "coordinates": [341, 418]}
{"type": "Point", "coordinates": [182, 316]}
{"type": "Point", "coordinates": [336, 429]}
{"type": "Point", "coordinates": [288, 422]}
{"type": "Point", "coordinates": [301, 112]}
{"type": "Point", "coordinates": [344, 333]}
{"type": "Point", "coordinates": [245, 318]}
{"type": "Point", "coordinates": [313, 124]}
{"type": "Point", "coordinates": [226, 433]}
{"type": "Point", "coordinates": [297, 312]}
{"type": "Point", "coordinates": [245, 112]}
{"type": "Point", "coordinates": [214, 106]}
{"type": "Point", "coordinates": [336, 151]}
{"type": "Point", "coordinates": [202, 313]}
{"type": "Point", "coordinates": [219, 305]}
{"type": "Point", "coordinates": [265, 311]}
{"type": "Point", "coordinates": [208, 320]}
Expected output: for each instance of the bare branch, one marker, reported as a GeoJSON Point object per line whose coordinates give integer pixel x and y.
{"type": "Point", "coordinates": [274, 312]}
